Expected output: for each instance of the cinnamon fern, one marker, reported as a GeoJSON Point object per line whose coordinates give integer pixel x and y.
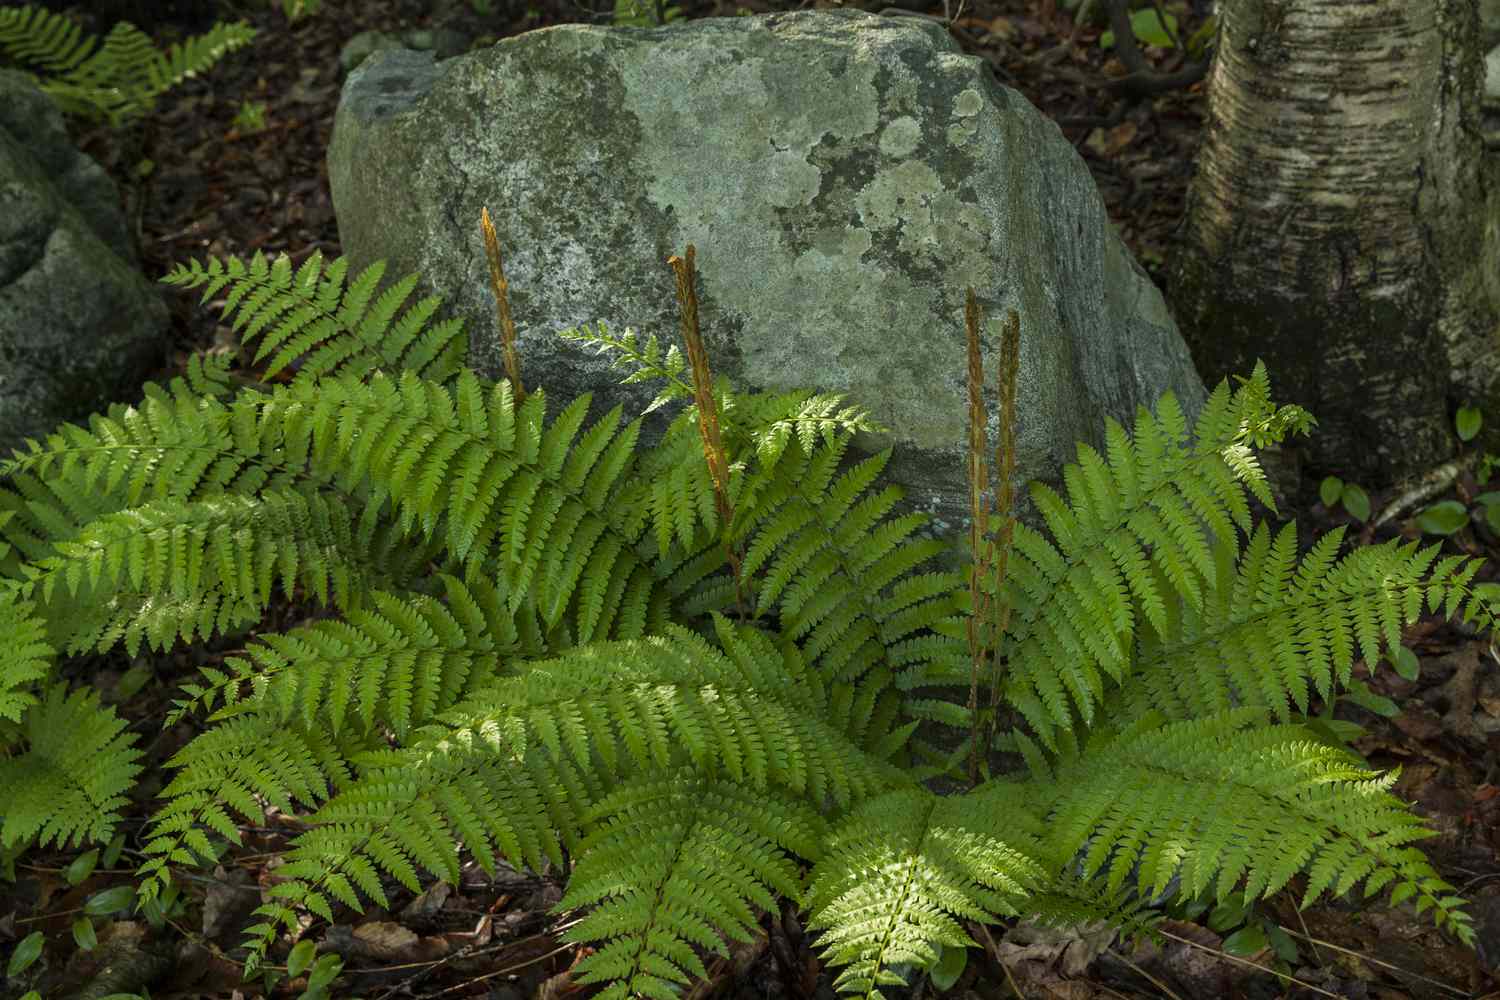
{"type": "Point", "coordinates": [704, 681]}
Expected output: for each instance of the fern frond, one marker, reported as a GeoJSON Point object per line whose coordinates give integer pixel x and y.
{"type": "Point", "coordinates": [69, 783]}
{"type": "Point", "coordinates": [185, 60]}
{"type": "Point", "coordinates": [330, 336]}
{"type": "Point", "coordinates": [507, 768]}
{"type": "Point", "coordinates": [410, 808]}
{"type": "Point", "coordinates": [826, 576]}
{"type": "Point", "coordinates": [235, 766]}
{"type": "Point", "coordinates": [681, 489]}
{"type": "Point", "coordinates": [122, 78]}
{"type": "Point", "coordinates": [650, 701]}
{"type": "Point", "coordinates": [234, 547]}
{"type": "Point", "coordinates": [1271, 626]}
{"type": "Point", "coordinates": [672, 863]}
{"type": "Point", "coordinates": [396, 664]}
{"type": "Point", "coordinates": [1223, 798]}
{"type": "Point", "coordinates": [36, 35]}
{"type": "Point", "coordinates": [1136, 534]}
{"type": "Point", "coordinates": [28, 659]}
{"type": "Point", "coordinates": [903, 869]}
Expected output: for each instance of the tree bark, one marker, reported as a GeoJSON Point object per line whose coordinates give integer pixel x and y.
{"type": "Point", "coordinates": [1341, 225]}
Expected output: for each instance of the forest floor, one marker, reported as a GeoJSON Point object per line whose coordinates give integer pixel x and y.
{"type": "Point", "coordinates": [219, 190]}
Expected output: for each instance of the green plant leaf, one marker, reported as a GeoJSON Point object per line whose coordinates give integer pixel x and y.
{"type": "Point", "coordinates": [1361, 695]}
{"type": "Point", "coordinates": [113, 900]}
{"type": "Point", "coordinates": [1147, 27]}
{"type": "Point", "coordinates": [301, 957]}
{"type": "Point", "coordinates": [132, 681]}
{"type": "Point", "coordinates": [1245, 941]}
{"type": "Point", "coordinates": [1329, 491]}
{"type": "Point", "coordinates": [1203, 37]}
{"type": "Point", "coordinates": [949, 966]}
{"type": "Point", "coordinates": [1281, 941]}
{"type": "Point", "coordinates": [112, 852]}
{"type": "Point", "coordinates": [1467, 422]}
{"type": "Point", "coordinates": [81, 867]}
{"type": "Point", "coordinates": [1443, 518]}
{"type": "Point", "coordinates": [1406, 663]}
{"type": "Point", "coordinates": [1356, 502]}
{"type": "Point", "coordinates": [27, 952]}
{"type": "Point", "coordinates": [1228, 914]}
{"type": "Point", "coordinates": [83, 933]}
{"type": "Point", "coordinates": [325, 970]}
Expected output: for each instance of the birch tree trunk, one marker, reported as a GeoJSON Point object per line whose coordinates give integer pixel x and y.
{"type": "Point", "coordinates": [1341, 225]}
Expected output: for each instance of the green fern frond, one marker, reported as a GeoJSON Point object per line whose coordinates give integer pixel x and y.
{"type": "Point", "coordinates": [841, 590]}
{"type": "Point", "coordinates": [332, 330]}
{"type": "Point", "coordinates": [1272, 626]}
{"type": "Point", "coordinates": [647, 703]}
{"type": "Point", "coordinates": [903, 869]}
{"type": "Point", "coordinates": [672, 863]}
{"type": "Point", "coordinates": [397, 666]}
{"type": "Point", "coordinates": [28, 659]}
{"type": "Point", "coordinates": [1224, 798]}
{"type": "Point", "coordinates": [233, 547]}
{"type": "Point", "coordinates": [235, 766]}
{"type": "Point", "coordinates": [410, 808]}
{"type": "Point", "coordinates": [505, 769]}
{"type": "Point", "coordinates": [69, 783]}
{"type": "Point", "coordinates": [1138, 531]}
{"type": "Point", "coordinates": [120, 80]}
{"type": "Point", "coordinates": [397, 663]}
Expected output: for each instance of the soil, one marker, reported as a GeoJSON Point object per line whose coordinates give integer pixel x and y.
{"type": "Point", "coordinates": [219, 189]}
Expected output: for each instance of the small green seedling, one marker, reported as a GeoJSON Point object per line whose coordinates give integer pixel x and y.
{"type": "Point", "coordinates": [1449, 516]}
{"type": "Point", "coordinates": [251, 117]}
{"type": "Point", "coordinates": [1333, 491]}
{"type": "Point", "coordinates": [1246, 931]}
{"type": "Point", "coordinates": [1467, 422]}
{"type": "Point", "coordinates": [1149, 27]}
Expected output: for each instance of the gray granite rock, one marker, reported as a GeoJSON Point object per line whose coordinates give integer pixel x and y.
{"type": "Point", "coordinates": [80, 326]}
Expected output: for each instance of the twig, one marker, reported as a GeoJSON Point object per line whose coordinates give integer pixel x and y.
{"type": "Point", "coordinates": [1427, 486]}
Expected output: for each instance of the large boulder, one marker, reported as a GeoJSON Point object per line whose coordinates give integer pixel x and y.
{"type": "Point", "coordinates": [80, 327]}
{"type": "Point", "coordinates": [844, 177]}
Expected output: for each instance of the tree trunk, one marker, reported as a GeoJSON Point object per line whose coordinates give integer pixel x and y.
{"type": "Point", "coordinates": [1341, 225]}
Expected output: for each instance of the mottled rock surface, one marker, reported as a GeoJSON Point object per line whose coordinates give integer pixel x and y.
{"type": "Point", "coordinates": [80, 326]}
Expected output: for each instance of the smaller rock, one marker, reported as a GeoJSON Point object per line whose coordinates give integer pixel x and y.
{"type": "Point", "coordinates": [443, 43]}
{"type": "Point", "coordinates": [363, 45]}
{"type": "Point", "coordinates": [80, 326]}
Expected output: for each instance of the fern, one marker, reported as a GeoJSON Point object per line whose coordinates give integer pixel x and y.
{"type": "Point", "coordinates": [324, 328]}
{"type": "Point", "coordinates": [702, 856]}
{"type": "Point", "coordinates": [904, 867]}
{"type": "Point", "coordinates": [68, 784]}
{"type": "Point", "coordinates": [535, 652]}
{"type": "Point", "coordinates": [122, 78]}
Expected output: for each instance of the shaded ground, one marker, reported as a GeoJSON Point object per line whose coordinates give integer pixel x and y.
{"type": "Point", "coordinates": [219, 190]}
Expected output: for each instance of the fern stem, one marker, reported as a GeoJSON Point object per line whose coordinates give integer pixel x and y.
{"type": "Point", "coordinates": [991, 557]}
{"type": "Point", "coordinates": [502, 304]}
{"type": "Point", "coordinates": [1005, 467]}
{"type": "Point", "coordinates": [708, 413]}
